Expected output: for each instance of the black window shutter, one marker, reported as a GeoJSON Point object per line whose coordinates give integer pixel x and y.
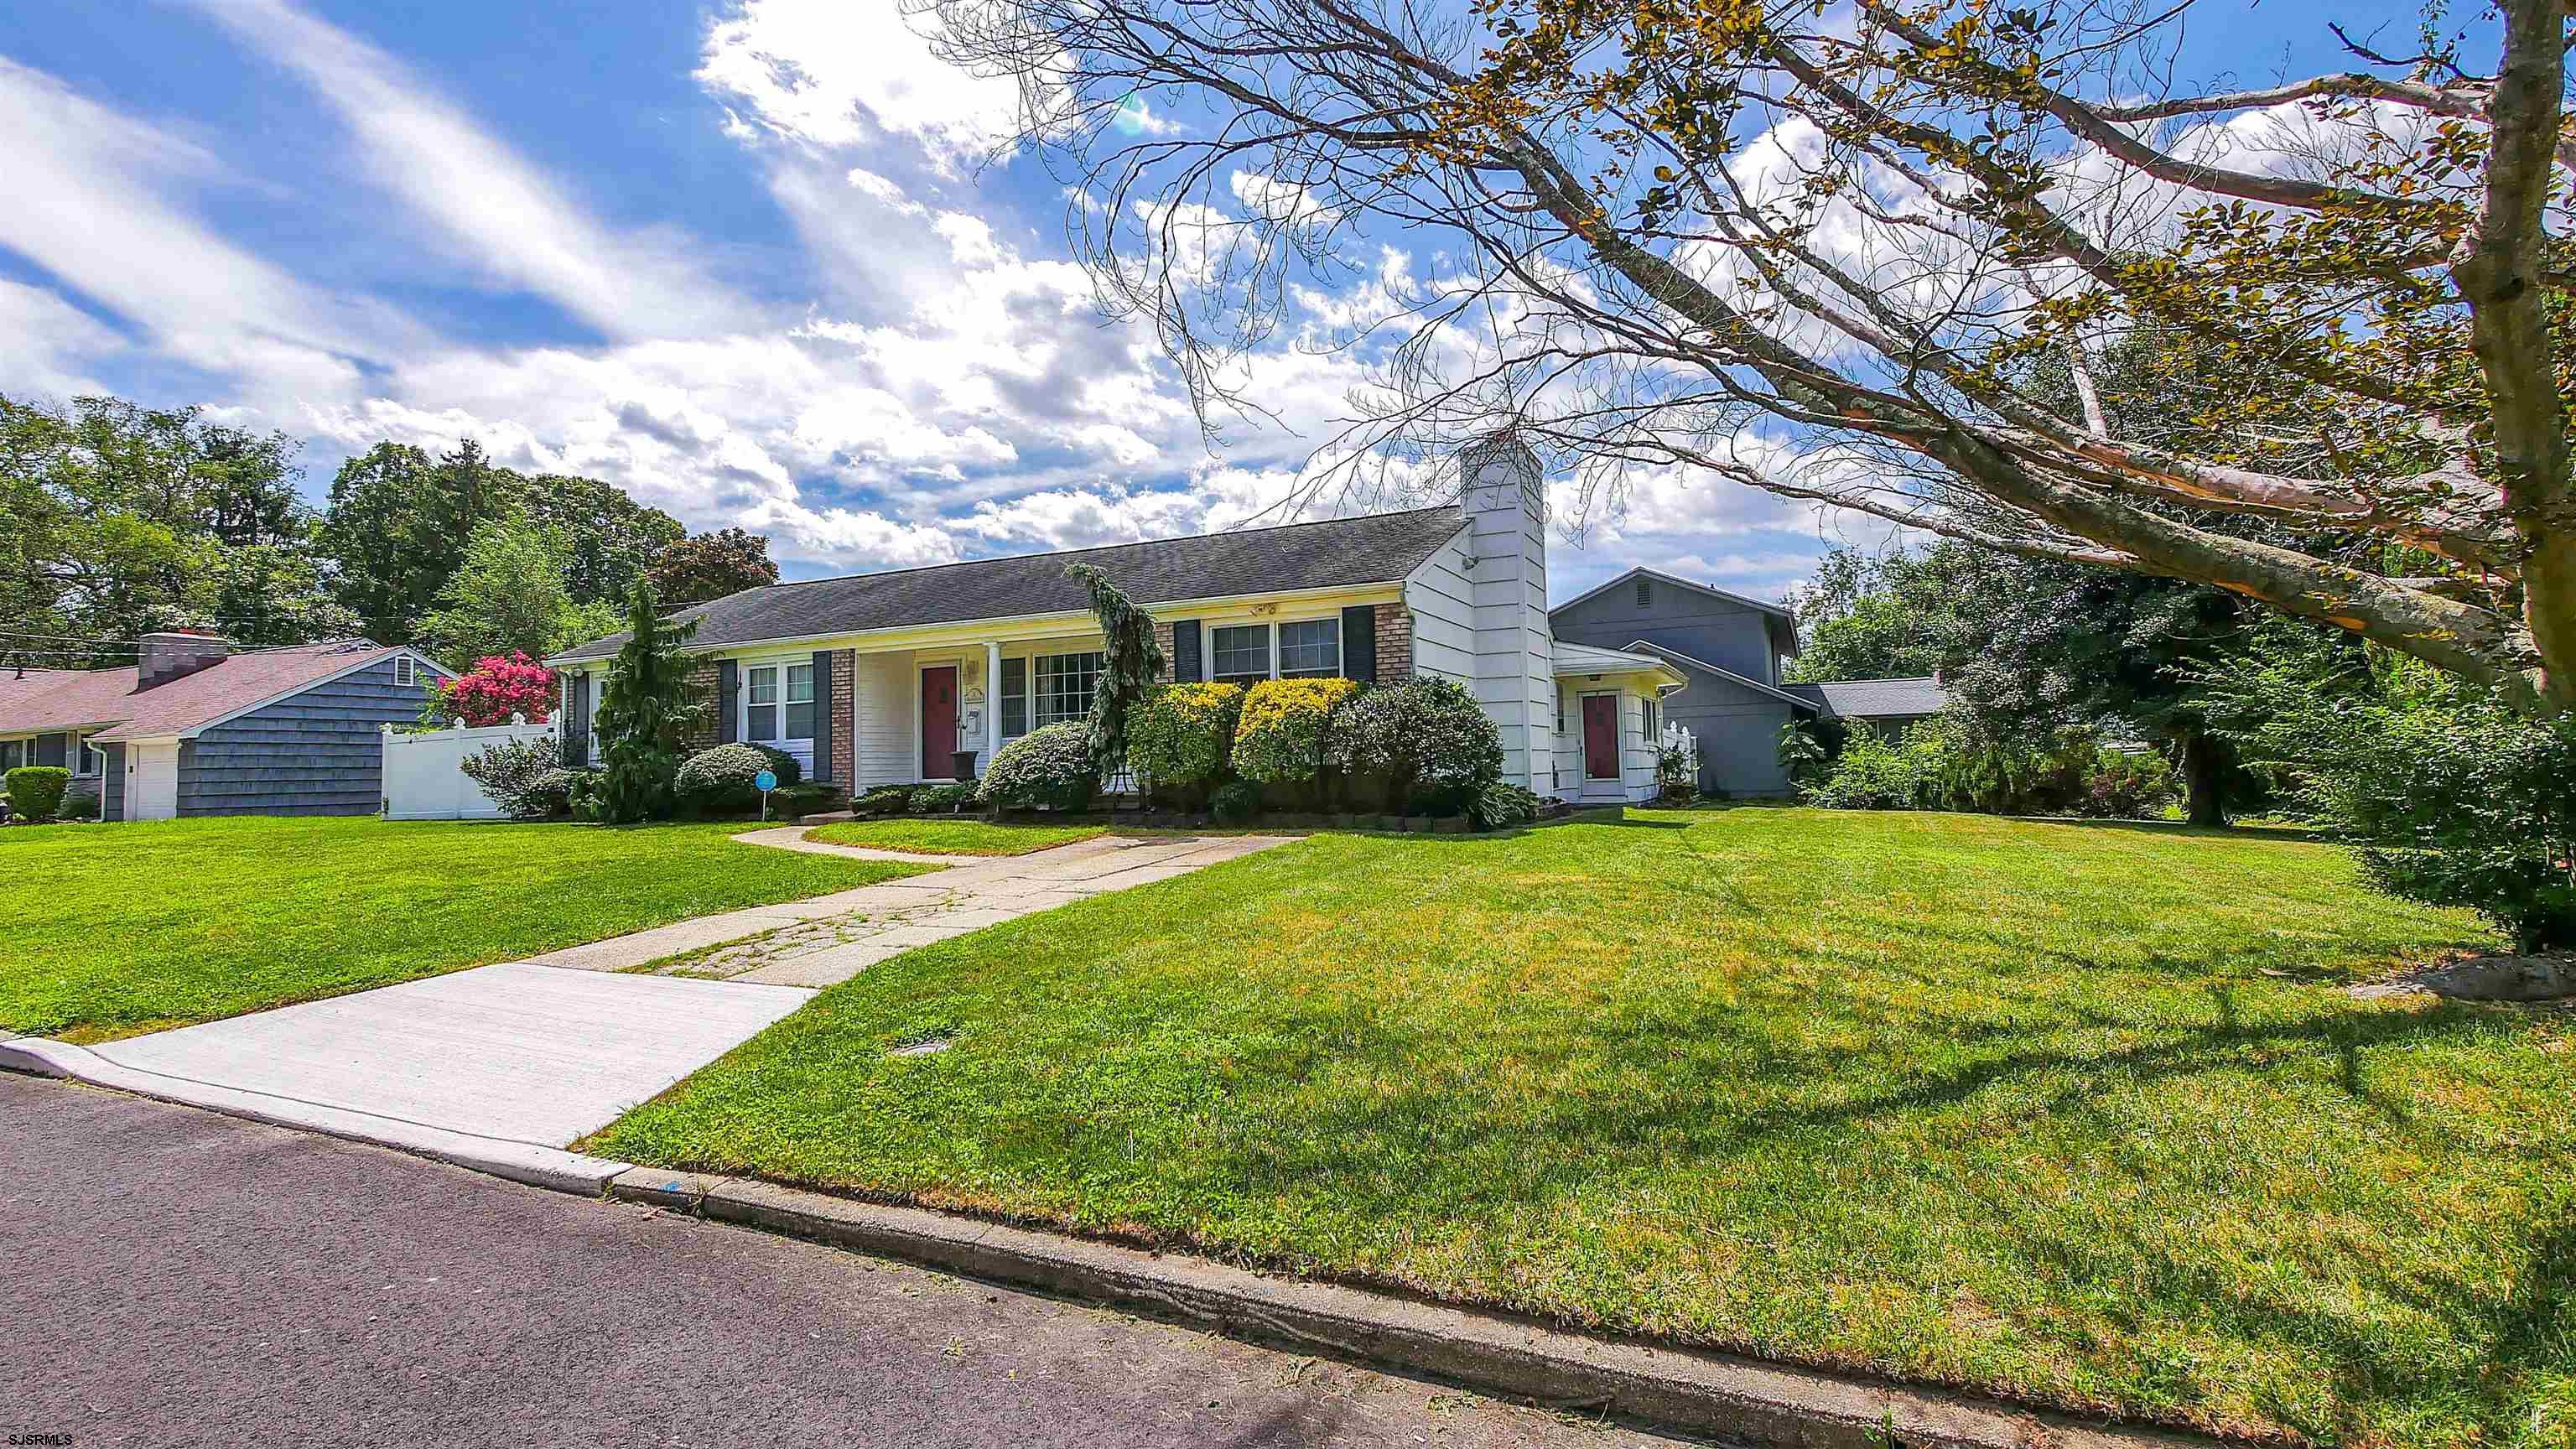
{"type": "Point", "coordinates": [823, 726]}
{"type": "Point", "coordinates": [1015, 698]}
{"type": "Point", "coordinates": [1359, 643]}
{"type": "Point", "coordinates": [1185, 651]}
{"type": "Point", "coordinates": [576, 725]}
{"type": "Point", "coordinates": [728, 691]}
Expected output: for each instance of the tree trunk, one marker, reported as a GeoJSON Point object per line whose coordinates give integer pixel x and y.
{"type": "Point", "coordinates": [2204, 778]}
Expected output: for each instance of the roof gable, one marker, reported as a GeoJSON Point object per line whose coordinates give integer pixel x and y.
{"type": "Point", "coordinates": [1778, 610]}
{"type": "Point", "coordinates": [1379, 548]}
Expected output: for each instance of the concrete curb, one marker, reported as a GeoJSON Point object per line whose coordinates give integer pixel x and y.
{"type": "Point", "coordinates": [1741, 1400]}
{"type": "Point", "coordinates": [547, 1167]}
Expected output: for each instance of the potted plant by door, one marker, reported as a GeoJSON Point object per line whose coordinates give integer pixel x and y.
{"type": "Point", "coordinates": [964, 763]}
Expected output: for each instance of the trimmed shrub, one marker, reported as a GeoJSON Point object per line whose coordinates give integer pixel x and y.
{"type": "Point", "coordinates": [1236, 801]}
{"type": "Point", "coordinates": [1424, 747]}
{"type": "Point", "coordinates": [885, 800]}
{"type": "Point", "coordinates": [1180, 743]}
{"type": "Point", "coordinates": [36, 791]}
{"type": "Point", "coordinates": [81, 801]}
{"type": "Point", "coordinates": [1279, 739]}
{"type": "Point", "coordinates": [943, 799]}
{"type": "Point", "coordinates": [1048, 767]}
{"type": "Point", "coordinates": [518, 775]}
{"type": "Point", "coordinates": [718, 781]}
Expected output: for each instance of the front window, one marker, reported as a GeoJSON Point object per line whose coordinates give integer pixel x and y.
{"type": "Point", "coordinates": [800, 701]}
{"type": "Point", "coordinates": [92, 761]}
{"type": "Point", "coordinates": [760, 703]}
{"type": "Point", "coordinates": [1240, 653]}
{"type": "Point", "coordinates": [1310, 649]}
{"type": "Point", "coordinates": [13, 753]}
{"type": "Point", "coordinates": [1066, 683]}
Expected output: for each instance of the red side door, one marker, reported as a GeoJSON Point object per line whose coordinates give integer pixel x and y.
{"type": "Point", "coordinates": [1601, 736]}
{"type": "Point", "coordinates": [939, 722]}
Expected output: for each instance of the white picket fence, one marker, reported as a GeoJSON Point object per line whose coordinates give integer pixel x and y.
{"type": "Point", "coordinates": [425, 778]}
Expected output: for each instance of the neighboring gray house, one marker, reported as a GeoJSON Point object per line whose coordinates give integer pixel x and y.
{"type": "Point", "coordinates": [1730, 650]}
{"type": "Point", "coordinates": [197, 729]}
{"type": "Point", "coordinates": [1885, 705]}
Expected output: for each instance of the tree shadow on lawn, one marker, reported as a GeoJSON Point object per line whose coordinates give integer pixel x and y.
{"type": "Point", "coordinates": [1419, 1149]}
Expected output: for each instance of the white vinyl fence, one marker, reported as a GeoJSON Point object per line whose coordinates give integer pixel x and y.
{"type": "Point", "coordinates": [424, 775]}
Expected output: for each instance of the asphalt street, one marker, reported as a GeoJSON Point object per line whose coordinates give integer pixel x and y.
{"type": "Point", "coordinates": [172, 1277]}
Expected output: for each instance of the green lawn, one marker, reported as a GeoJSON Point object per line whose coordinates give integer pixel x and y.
{"type": "Point", "coordinates": [2070, 1112]}
{"type": "Point", "coordinates": [932, 835]}
{"type": "Point", "coordinates": [118, 929]}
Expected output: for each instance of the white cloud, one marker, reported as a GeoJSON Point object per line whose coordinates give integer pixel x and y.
{"type": "Point", "coordinates": [500, 215]}
{"type": "Point", "coordinates": [98, 201]}
{"type": "Point", "coordinates": [836, 73]}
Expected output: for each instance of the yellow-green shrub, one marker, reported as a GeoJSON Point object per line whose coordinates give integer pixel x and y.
{"type": "Point", "coordinates": [1178, 743]}
{"type": "Point", "coordinates": [1280, 738]}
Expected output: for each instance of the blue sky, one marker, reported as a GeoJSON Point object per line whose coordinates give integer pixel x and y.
{"type": "Point", "coordinates": [735, 259]}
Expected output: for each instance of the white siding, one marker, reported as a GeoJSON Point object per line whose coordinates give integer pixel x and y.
{"type": "Point", "coordinates": [1637, 754]}
{"type": "Point", "coordinates": [885, 723]}
{"type": "Point", "coordinates": [1515, 652]}
{"type": "Point", "coordinates": [1442, 602]}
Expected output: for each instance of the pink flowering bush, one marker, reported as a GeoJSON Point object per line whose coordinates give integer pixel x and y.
{"type": "Point", "coordinates": [497, 688]}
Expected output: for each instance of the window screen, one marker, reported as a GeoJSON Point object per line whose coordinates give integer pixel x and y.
{"type": "Point", "coordinates": [1065, 686]}
{"type": "Point", "coordinates": [800, 701]}
{"type": "Point", "coordinates": [1645, 593]}
{"type": "Point", "coordinates": [1240, 654]}
{"type": "Point", "coordinates": [1015, 698]}
{"type": "Point", "coordinates": [1310, 648]}
{"type": "Point", "coordinates": [403, 676]}
{"type": "Point", "coordinates": [760, 703]}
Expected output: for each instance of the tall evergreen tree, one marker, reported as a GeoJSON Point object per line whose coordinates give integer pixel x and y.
{"type": "Point", "coordinates": [644, 715]}
{"type": "Point", "coordinates": [1131, 664]}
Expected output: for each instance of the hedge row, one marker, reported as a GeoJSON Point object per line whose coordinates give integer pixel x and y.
{"type": "Point", "coordinates": [1424, 747]}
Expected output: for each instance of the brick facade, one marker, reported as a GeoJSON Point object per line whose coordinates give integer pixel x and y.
{"type": "Point", "coordinates": [703, 682]}
{"type": "Point", "coordinates": [1394, 644]}
{"type": "Point", "coordinates": [844, 768]}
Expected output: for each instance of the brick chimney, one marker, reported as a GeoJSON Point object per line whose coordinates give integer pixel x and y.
{"type": "Point", "coordinates": [176, 654]}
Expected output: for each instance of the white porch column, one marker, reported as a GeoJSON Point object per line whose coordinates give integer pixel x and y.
{"type": "Point", "coordinates": [992, 701]}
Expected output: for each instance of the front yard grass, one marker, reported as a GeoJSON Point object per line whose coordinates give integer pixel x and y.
{"type": "Point", "coordinates": [932, 835]}
{"type": "Point", "coordinates": [2074, 1113]}
{"type": "Point", "coordinates": [111, 930]}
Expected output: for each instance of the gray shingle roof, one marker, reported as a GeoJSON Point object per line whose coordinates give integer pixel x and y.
{"type": "Point", "coordinates": [1876, 698]}
{"type": "Point", "coordinates": [1328, 553]}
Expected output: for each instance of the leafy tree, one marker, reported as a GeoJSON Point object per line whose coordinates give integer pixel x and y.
{"type": "Point", "coordinates": [507, 595]}
{"type": "Point", "coordinates": [1813, 251]}
{"type": "Point", "coordinates": [398, 525]}
{"type": "Point", "coordinates": [263, 594]}
{"type": "Point", "coordinates": [122, 519]}
{"type": "Point", "coordinates": [712, 565]}
{"type": "Point", "coordinates": [1889, 617]}
{"type": "Point", "coordinates": [609, 538]}
{"type": "Point", "coordinates": [1131, 663]}
{"type": "Point", "coordinates": [644, 715]}
{"type": "Point", "coordinates": [2442, 790]}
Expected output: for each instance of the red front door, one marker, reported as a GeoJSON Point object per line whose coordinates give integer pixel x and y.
{"type": "Point", "coordinates": [939, 722]}
{"type": "Point", "coordinates": [1601, 736]}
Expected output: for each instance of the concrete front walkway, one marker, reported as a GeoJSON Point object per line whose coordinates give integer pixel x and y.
{"type": "Point", "coordinates": [829, 940]}
{"type": "Point", "coordinates": [501, 1067]}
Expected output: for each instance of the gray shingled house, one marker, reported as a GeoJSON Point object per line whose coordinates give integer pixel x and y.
{"type": "Point", "coordinates": [196, 728]}
{"type": "Point", "coordinates": [1730, 649]}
